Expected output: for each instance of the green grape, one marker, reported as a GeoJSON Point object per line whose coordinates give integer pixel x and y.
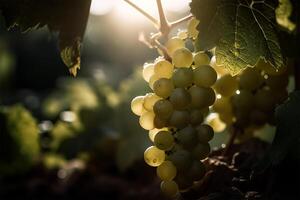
{"type": "Point", "coordinates": [250, 79]}
{"type": "Point", "coordinates": [192, 28]}
{"type": "Point", "coordinates": [137, 105]}
{"type": "Point", "coordinates": [277, 82]}
{"type": "Point", "coordinates": [149, 100]}
{"type": "Point", "coordinates": [179, 119]}
{"type": "Point", "coordinates": [196, 117]}
{"type": "Point", "coordinates": [154, 156]}
{"type": "Point", "coordinates": [201, 96]}
{"type": "Point", "coordinates": [197, 170]}
{"type": "Point", "coordinates": [215, 122]}
{"type": "Point", "coordinates": [182, 57]}
{"type": "Point", "coordinates": [205, 76]}
{"type": "Point", "coordinates": [243, 100]}
{"type": "Point", "coordinates": [180, 98]}
{"type": "Point", "coordinates": [163, 87]}
{"type": "Point", "coordinates": [258, 117]}
{"type": "Point", "coordinates": [159, 123]}
{"type": "Point", "coordinates": [163, 109]}
{"type": "Point", "coordinates": [201, 58]}
{"type": "Point", "coordinates": [147, 120]}
{"type": "Point", "coordinates": [163, 69]}
{"type": "Point", "coordinates": [152, 80]}
{"type": "Point", "coordinates": [183, 77]}
{"type": "Point", "coordinates": [173, 44]}
{"type": "Point", "coordinates": [166, 171]}
{"type": "Point", "coordinates": [222, 105]}
{"type": "Point", "coordinates": [169, 188]}
{"type": "Point", "coordinates": [221, 70]}
{"type": "Point", "coordinates": [264, 100]}
{"type": "Point", "coordinates": [187, 137]}
{"type": "Point", "coordinates": [226, 85]}
{"type": "Point", "coordinates": [154, 131]}
{"type": "Point", "coordinates": [205, 133]}
{"type": "Point", "coordinates": [201, 151]}
{"type": "Point", "coordinates": [164, 140]}
{"type": "Point", "coordinates": [182, 159]}
{"type": "Point", "coordinates": [184, 182]}
{"type": "Point", "coordinates": [148, 71]}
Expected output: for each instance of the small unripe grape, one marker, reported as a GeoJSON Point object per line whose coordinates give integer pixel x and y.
{"type": "Point", "coordinates": [154, 156]}
{"type": "Point", "coordinates": [148, 71]}
{"type": "Point", "coordinates": [201, 58]}
{"type": "Point", "coordinates": [192, 28]}
{"type": "Point", "coordinates": [166, 171]}
{"type": "Point", "coordinates": [182, 57]}
{"type": "Point", "coordinates": [180, 98]}
{"type": "Point", "coordinates": [149, 100]}
{"type": "Point", "coordinates": [264, 100]}
{"type": "Point", "coordinates": [222, 105]}
{"type": "Point", "coordinates": [182, 159]}
{"type": "Point", "coordinates": [147, 120]}
{"type": "Point", "coordinates": [187, 137]}
{"type": "Point", "coordinates": [201, 151]}
{"type": "Point", "coordinates": [173, 44]}
{"type": "Point", "coordinates": [201, 96]}
{"type": "Point", "coordinates": [183, 77]}
{"type": "Point", "coordinates": [163, 87]}
{"type": "Point", "coordinates": [250, 79]}
{"type": "Point", "coordinates": [244, 100]}
{"type": "Point", "coordinates": [197, 170]}
{"type": "Point", "coordinates": [163, 109]}
{"type": "Point", "coordinates": [179, 119]}
{"type": "Point", "coordinates": [169, 188]}
{"type": "Point", "coordinates": [164, 140]}
{"type": "Point", "coordinates": [196, 117]}
{"type": "Point", "coordinates": [226, 85]}
{"type": "Point", "coordinates": [163, 69]}
{"type": "Point", "coordinates": [205, 76]}
{"type": "Point", "coordinates": [137, 105]}
{"type": "Point", "coordinates": [205, 133]}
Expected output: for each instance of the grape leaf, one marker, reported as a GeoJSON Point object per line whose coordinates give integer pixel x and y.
{"type": "Point", "coordinates": [243, 31]}
{"type": "Point", "coordinates": [67, 17]}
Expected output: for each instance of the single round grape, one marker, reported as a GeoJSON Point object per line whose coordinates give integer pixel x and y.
{"type": "Point", "coordinates": [169, 188]}
{"type": "Point", "coordinates": [147, 120]}
{"type": "Point", "coordinates": [166, 171]}
{"type": "Point", "coordinates": [164, 140]}
{"type": "Point", "coordinates": [187, 137]}
{"type": "Point", "coordinates": [182, 57]}
{"type": "Point", "coordinates": [179, 119]}
{"type": "Point", "coordinates": [221, 70]}
{"type": "Point", "coordinates": [192, 28]}
{"type": "Point", "coordinates": [173, 44]}
{"type": "Point", "coordinates": [152, 80]}
{"type": "Point", "coordinates": [277, 82]}
{"type": "Point", "coordinates": [201, 151]}
{"type": "Point", "coordinates": [159, 123]}
{"type": "Point", "coordinates": [137, 105]}
{"type": "Point", "coordinates": [197, 170]}
{"type": "Point", "coordinates": [180, 98]}
{"type": "Point", "coordinates": [149, 100]}
{"type": "Point", "coordinates": [205, 133]}
{"type": "Point", "coordinates": [196, 117]}
{"type": "Point", "coordinates": [183, 77]}
{"type": "Point", "coordinates": [205, 76]}
{"type": "Point", "coordinates": [152, 133]}
{"type": "Point", "coordinates": [182, 159]}
{"type": "Point", "coordinates": [201, 58]}
{"type": "Point", "coordinates": [250, 79]}
{"type": "Point", "coordinates": [264, 100]}
{"type": "Point", "coordinates": [163, 109]}
{"type": "Point", "coordinates": [154, 156]}
{"type": "Point", "coordinates": [201, 96]}
{"type": "Point", "coordinates": [163, 87]}
{"type": "Point", "coordinates": [163, 69]}
{"type": "Point", "coordinates": [148, 71]}
{"type": "Point", "coordinates": [244, 100]}
{"type": "Point", "coordinates": [226, 85]}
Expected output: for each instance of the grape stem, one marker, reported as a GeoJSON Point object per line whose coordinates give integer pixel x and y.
{"type": "Point", "coordinates": [234, 132]}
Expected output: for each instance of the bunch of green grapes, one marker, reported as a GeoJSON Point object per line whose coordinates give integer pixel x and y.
{"type": "Point", "coordinates": [248, 100]}
{"type": "Point", "coordinates": [174, 113]}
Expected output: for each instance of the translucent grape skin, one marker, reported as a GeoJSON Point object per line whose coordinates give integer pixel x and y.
{"type": "Point", "coordinates": [166, 171]}
{"type": "Point", "coordinates": [173, 44]}
{"type": "Point", "coordinates": [182, 57]}
{"type": "Point", "coordinates": [163, 87]}
{"type": "Point", "coordinates": [205, 76]}
{"type": "Point", "coordinates": [201, 96]}
{"type": "Point", "coordinates": [154, 156]}
{"type": "Point", "coordinates": [169, 188]}
{"type": "Point", "coordinates": [147, 120]}
{"type": "Point", "coordinates": [149, 100]}
{"type": "Point", "coordinates": [201, 58]}
{"type": "Point", "coordinates": [226, 85]}
{"type": "Point", "coordinates": [180, 98]}
{"type": "Point", "coordinates": [137, 105]}
{"type": "Point", "coordinates": [163, 109]}
{"type": "Point", "coordinates": [148, 71]}
{"type": "Point", "coordinates": [183, 77]}
{"type": "Point", "coordinates": [163, 69]}
{"type": "Point", "coordinates": [164, 140]}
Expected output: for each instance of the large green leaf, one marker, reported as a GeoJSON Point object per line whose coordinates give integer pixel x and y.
{"type": "Point", "coordinates": [243, 31]}
{"type": "Point", "coordinates": [67, 17]}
